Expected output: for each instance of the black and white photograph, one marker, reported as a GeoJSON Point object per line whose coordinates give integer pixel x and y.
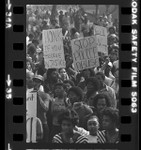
{"type": "Point", "coordinates": [72, 74]}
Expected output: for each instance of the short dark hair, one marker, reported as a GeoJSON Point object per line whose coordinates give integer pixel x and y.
{"type": "Point", "coordinates": [70, 82]}
{"type": "Point", "coordinates": [101, 74]}
{"type": "Point", "coordinates": [100, 96]}
{"type": "Point", "coordinates": [70, 115]}
{"type": "Point", "coordinates": [92, 116]}
{"type": "Point", "coordinates": [78, 91]}
{"type": "Point", "coordinates": [60, 84]}
{"type": "Point", "coordinates": [113, 113]}
{"type": "Point", "coordinates": [94, 81]}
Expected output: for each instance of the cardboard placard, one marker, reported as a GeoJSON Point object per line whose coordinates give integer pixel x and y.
{"type": "Point", "coordinates": [85, 53]}
{"type": "Point", "coordinates": [53, 48]}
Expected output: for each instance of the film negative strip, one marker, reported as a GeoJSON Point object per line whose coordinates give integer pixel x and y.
{"type": "Point", "coordinates": [16, 46]}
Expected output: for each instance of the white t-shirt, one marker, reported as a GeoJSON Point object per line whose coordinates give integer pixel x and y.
{"type": "Point", "coordinates": [91, 138]}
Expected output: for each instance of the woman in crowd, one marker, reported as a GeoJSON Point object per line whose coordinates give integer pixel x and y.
{"type": "Point", "coordinates": [68, 120]}
{"type": "Point", "coordinates": [93, 134]}
{"type": "Point", "coordinates": [110, 119]}
{"type": "Point", "coordinates": [56, 107]}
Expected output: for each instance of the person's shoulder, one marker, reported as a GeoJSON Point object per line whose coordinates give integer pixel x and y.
{"type": "Point", "coordinates": [81, 138]}
{"type": "Point", "coordinates": [57, 138]}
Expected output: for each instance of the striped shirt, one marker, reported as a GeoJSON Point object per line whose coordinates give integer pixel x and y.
{"type": "Point", "coordinates": [77, 138]}
{"type": "Point", "coordinates": [99, 138]}
{"type": "Point", "coordinates": [112, 140]}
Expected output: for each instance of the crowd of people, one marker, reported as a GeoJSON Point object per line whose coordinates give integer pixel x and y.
{"type": "Point", "coordinates": [73, 106]}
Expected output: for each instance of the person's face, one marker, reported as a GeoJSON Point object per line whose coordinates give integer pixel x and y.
{"type": "Point", "coordinates": [111, 31]}
{"type": "Point", "coordinates": [73, 97]}
{"type": "Point", "coordinates": [59, 91]}
{"type": "Point", "coordinates": [107, 123]}
{"type": "Point", "coordinates": [67, 126]}
{"type": "Point", "coordinates": [90, 86]}
{"type": "Point", "coordinates": [101, 81]}
{"type": "Point", "coordinates": [101, 104]}
{"type": "Point", "coordinates": [28, 65]}
{"type": "Point", "coordinates": [91, 98]}
{"type": "Point", "coordinates": [86, 73]}
{"type": "Point", "coordinates": [29, 82]}
{"type": "Point", "coordinates": [93, 126]}
{"type": "Point", "coordinates": [36, 83]}
{"type": "Point", "coordinates": [113, 56]}
{"type": "Point", "coordinates": [63, 73]}
{"type": "Point", "coordinates": [68, 86]}
{"type": "Point", "coordinates": [54, 75]}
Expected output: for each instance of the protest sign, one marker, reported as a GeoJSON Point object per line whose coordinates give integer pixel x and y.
{"type": "Point", "coordinates": [31, 110]}
{"type": "Point", "coordinates": [101, 38]}
{"type": "Point", "coordinates": [84, 53]}
{"type": "Point", "coordinates": [53, 49]}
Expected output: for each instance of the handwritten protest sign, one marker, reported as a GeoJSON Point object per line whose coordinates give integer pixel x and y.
{"type": "Point", "coordinates": [101, 38]}
{"type": "Point", "coordinates": [31, 115]}
{"type": "Point", "coordinates": [53, 48]}
{"type": "Point", "coordinates": [85, 53]}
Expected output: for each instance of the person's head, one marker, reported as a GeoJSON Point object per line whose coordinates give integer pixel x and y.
{"type": "Point", "coordinates": [75, 94]}
{"type": "Point", "coordinates": [93, 125]}
{"type": "Point", "coordinates": [31, 50]}
{"type": "Point", "coordinates": [76, 35]}
{"type": "Point", "coordinates": [101, 101]}
{"type": "Point", "coordinates": [68, 84]}
{"type": "Point", "coordinates": [29, 77]}
{"type": "Point", "coordinates": [59, 90]}
{"type": "Point", "coordinates": [114, 55]}
{"type": "Point", "coordinates": [112, 30]}
{"type": "Point", "coordinates": [31, 36]}
{"type": "Point", "coordinates": [37, 81]}
{"type": "Point", "coordinates": [66, 13]}
{"type": "Point", "coordinates": [68, 119]}
{"type": "Point", "coordinates": [110, 118]}
{"type": "Point", "coordinates": [112, 39]}
{"type": "Point", "coordinates": [92, 84]}
{"type": "Point", "coordinates": [52, 75]}
{"type": "Point", "coordinates": [73, 31]}
{"type": "Point", "coordinates": [86, 73]}
{"type": "Point", "coordinates": [35, 42]}
{"type": "Point", "coordinates": [28, 64]}
{"type": "Point", "coordinates": [101, 77]}
{"type": "Point", "coordinates": [61, 12]}
{"type": "Point", "coordinates": [63, 73]}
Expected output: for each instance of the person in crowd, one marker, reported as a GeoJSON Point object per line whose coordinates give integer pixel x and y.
{"type": "Point", "coordinates": [110, 119]}
{"type": "Point", "coordinates": [43, 100]}
{"type": "Point", "coordinates": [113, 55]}
{"type": "Point", "coordinates": [84, 75]}
{"type": "Point", "coordinates": [93, 134]}
{"type": "Point", "coordinates": [75, 95]}
{"type": "Point", "coordinates": [106, 89]}
{"type": "Point", "coordinates": [100, 102]}
{"type": "Point", "coordinates": [57, 106]}
{"type": "Point", "coordinates": [61, 18]}
{"type": "Point", "coordinates": [66, 21]}
{"type": "Point", "coordinates": [31, 51]}
{"type": "Point", "coordinates": [92, 85]}
{"type": "Point", "coordinates": [68, 120]}
{"type": "Point", "coordinates": [52, 77]}
{"type": "Point", "coordinates": [63, 74]}
{"type": "Point", "coordinates": [69, 84]}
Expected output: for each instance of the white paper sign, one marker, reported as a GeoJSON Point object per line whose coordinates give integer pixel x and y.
{"type": "Point", "coordinates": [101, 38]}
{"type": "Point", "coordinates": [31, 104]}
{"type": "Point", "coordinates": [31, 115]}
{"type": "Point", "coordinates": [84, 51]}
{"type": "Point", "coordinates": [53, 48]}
